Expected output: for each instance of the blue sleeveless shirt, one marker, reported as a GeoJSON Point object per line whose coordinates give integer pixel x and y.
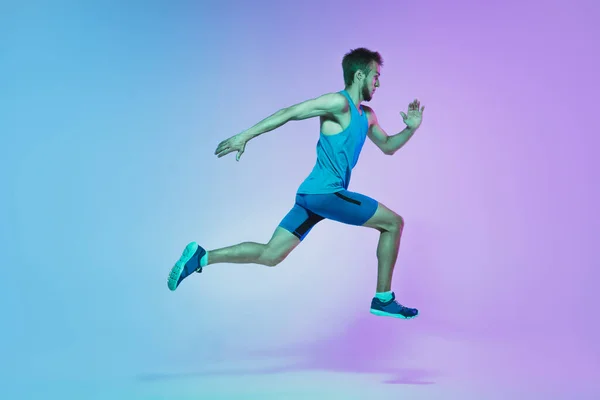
{"type": "Point", "coordinates": [337, 155]}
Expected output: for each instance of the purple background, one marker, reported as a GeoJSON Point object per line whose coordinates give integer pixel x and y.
{"type": "Point", "coordinates": [111, 113]}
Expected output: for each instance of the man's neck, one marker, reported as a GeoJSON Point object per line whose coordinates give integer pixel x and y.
{"type": "Point", "coordinates": [355, 95]}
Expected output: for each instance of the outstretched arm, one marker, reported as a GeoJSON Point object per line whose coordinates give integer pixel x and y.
{"type": "Point", "coordinates": [391, 144]}
{"type": "Point", "coordinates": [327, 104]}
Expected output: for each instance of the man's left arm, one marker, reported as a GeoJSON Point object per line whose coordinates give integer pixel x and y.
{"type": "Point", "coordinates": [391, 144]}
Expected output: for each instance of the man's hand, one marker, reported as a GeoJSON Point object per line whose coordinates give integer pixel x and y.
{"type": "Point", "coordinates": [415, 116]}
{"type": "Point", "coordinates": [234, 143]}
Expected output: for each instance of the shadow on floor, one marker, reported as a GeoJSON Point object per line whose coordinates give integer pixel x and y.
{"type": "Point", "coordinates": [363, 347]}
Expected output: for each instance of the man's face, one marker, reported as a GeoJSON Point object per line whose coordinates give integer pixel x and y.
{"type": "Point", "coordinates": [371, 82]}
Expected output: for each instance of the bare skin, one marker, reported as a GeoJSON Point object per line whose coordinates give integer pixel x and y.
{"type": "Point", "coordinates": [270, 254]}
{"type": "Point", "coordinates": [333, 111]}
{"type": "Point", "coordinates": [390, 226]}
{"type": "Point", "coordinates": [282, 243]}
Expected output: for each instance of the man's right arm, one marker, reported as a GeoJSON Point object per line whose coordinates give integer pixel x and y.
{"type": "Point", "coordinates": [329, 104]}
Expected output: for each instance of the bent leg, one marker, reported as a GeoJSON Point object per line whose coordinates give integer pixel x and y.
{"type": "Point", "coordinates": [357, 209]}
{"type": "Point", "coordinates": [291, 231]}
{"type": "Point", "coordinates": [360, 210]}
{"type": "Point", "coordinates": [390, 226]}
{"type": "Point", "coordinates": [279, 247]}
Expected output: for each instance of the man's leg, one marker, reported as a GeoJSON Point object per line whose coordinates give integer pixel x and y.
{"type": "Point", "coordinates": [357, 209]}
{"type": "Point", "coordinates": [292, 229]}
{"type": "Point", "coordinates": [275, 251]}
{"type": "Point", "coordinates": [195, 258]}
{"type": "Point", "coordinates": [290, 232]}
{"type": "Point", "coordinates": [390, 226]}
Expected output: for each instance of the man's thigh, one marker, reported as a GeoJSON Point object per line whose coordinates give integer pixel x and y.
{"type": "Point", "coordinates": [299, 221]}
{"type": "Point", "coordinates": [347, 207]}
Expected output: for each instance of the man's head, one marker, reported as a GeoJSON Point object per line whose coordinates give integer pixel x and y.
{"type": "Point", "coordinates": [362, 67]}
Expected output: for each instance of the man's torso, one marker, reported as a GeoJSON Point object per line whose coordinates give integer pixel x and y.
{"type": "Point", "coordinates": [341, 140]}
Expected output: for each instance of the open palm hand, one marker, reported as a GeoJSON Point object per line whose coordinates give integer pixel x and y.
{"type": "Point", "coordinates": [415, 115]}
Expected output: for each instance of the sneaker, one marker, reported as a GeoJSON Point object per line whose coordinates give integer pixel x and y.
{"type": "Point", "coordinates": [188, 263]}
{"type": "Point", "coordinates": [392, 309]}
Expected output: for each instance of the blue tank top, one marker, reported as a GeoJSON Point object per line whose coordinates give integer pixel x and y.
{"type": "Point", "coordinates": [337, 155]}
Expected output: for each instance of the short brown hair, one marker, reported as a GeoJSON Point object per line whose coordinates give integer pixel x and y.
{"type": "Point", "coordinates": [358, 59]}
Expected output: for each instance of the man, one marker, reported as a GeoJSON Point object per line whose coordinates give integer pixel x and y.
{"type": "Point", "coordinates": [345, 124]}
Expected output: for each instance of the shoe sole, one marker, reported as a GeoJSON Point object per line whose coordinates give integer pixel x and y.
{"type": "Point", "coordinates": [386, 314]}
{"type": "Point", "coordinates": [175, 273]}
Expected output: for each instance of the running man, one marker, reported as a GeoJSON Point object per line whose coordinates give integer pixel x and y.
{"type": "Point", "coordinates": [345, 124]}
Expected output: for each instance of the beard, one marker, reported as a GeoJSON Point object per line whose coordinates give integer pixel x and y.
{"type": "Point", "coordinates": [365, 93]}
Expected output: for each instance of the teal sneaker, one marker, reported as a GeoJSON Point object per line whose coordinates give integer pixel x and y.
{"type": "Point", "coordinates": [392, 309]}
{"type": "Point", "coordinates": [188, 263]}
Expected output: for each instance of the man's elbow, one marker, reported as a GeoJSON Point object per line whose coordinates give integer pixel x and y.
{"type": "Point", "coordinates": [388, 151]}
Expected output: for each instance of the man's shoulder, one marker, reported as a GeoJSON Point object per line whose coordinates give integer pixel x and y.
{"type": "Point", "coordinates": [338, 98]}
{"type": "Point", "coordinates": [370, 113]}
{"type": "Point", "coordinates": [336, 102]}
{"type": "Point", "coordinates": [368, 109]}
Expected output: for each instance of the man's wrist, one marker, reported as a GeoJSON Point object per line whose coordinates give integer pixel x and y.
{"type": "Point", "coordinates": [408, 130]}
{"type": "Point", "coordinates": [247, 135]}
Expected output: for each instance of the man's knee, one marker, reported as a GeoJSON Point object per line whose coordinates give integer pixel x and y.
{"type": "Point", "coordinates": [397, 223]}
{"type": "Point", "coordinates": [279, 247]}
{"type": "Point", "coordinates": [272, 257]}
{"type": "Point", "coordinates": [393, 223]}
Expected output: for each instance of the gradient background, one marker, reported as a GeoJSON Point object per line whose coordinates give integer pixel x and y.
{"type": "Point", "coordinates": [110, 114]}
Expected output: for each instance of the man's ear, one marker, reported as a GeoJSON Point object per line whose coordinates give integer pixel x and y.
{"type": "Point", "coordinates": [358, 75]}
